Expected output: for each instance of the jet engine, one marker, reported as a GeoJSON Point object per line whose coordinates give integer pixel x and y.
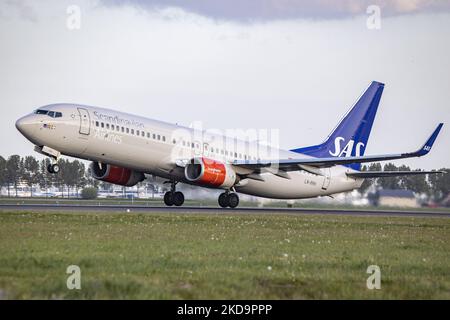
{"type": "Point", "coordinates": [116, 175]}
{"type": "Point", "coordinates": [212, 173]}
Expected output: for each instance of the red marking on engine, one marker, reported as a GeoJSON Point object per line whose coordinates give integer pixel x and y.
{"type": "Point", "coordinates": [214, 173]}
{"type": "Point", "coordinates": [118, 175]}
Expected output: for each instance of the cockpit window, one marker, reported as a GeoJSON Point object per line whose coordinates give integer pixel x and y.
{"type": "Point", "coordinates": [52, 114]}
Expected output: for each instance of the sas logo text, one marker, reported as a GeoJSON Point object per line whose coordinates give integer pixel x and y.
{"type": "Point", "coordinates": [347, 150]}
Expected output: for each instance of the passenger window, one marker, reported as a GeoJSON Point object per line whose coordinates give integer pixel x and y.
{"type": "Point", "coordinates": [128, 130]}
{"type": "Point", "coordinates": [159, 137]}
{"type": "Point", "coordinates": [174, 141]}
{"type": "Point", "coordinates": [148, 135]}
{"type": "Point", "coordinates": [103, 125]}
{"type": "Point", "coordinates": [154, 136]}
{"type": "Point", "coordinates": [137, 132]}
{"type": "Point", "coordinates": [132, 131]}
{"type": "Point", "coordinates": [123, 129]}
{"type": "Point", "coordinates": [112, 127]}
{"type": "Point", "coordinates": [143, 133]}
{"type": "Point", "coordinates": [164, 138]}
{"type": "Point", "coordinates": [97, 123]}
{"type": "Point", "coordinates": [117, 128]}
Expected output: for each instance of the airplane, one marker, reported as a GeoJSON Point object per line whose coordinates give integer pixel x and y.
{"type": "Point", "coordinates": [124, 148]}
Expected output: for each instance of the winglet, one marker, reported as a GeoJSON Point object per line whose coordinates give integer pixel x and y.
{"type": "Point", "coordinates": [429, 144]}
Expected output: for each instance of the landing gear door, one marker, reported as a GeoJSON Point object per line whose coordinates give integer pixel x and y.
{"type": "Point", "coordinates": [85, 121]}
{"type": "Point", "coordinates": [327, 178]}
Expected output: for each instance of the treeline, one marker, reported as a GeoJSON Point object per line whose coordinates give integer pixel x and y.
{"type": "Point", "coordinates": [28, 170]}
{"type": "Point", "coordinates": [435, 186]}
{"type": "Point", "coordinates": [75, 176]}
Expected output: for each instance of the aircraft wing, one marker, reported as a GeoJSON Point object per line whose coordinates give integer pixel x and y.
{"type": "Point", "coordinates": [386, 174]}
{"type": "Point", "coordinates": [299, 164]}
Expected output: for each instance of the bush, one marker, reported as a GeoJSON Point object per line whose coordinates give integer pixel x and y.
{"type": "Point", "coordinates": [89, 193]}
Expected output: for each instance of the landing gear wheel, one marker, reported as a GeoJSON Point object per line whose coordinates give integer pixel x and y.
{"type": "Point", "coordinates": [223, 200]}
{"type": "Point", "coordinates": [178, 199]}
{"type": "Point", "coordinates": [168, 199]}
{"type": "Point", "coordinates": [233, 200]}
{"type": "Point", "coordinates": [53, 168]}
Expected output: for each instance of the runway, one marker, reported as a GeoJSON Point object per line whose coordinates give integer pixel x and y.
{"type": "Point", "coordinates": [217, 210]}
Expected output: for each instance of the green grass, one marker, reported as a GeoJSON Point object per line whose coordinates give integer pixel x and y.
{"type": "Point", "coordinates": [223, 256]}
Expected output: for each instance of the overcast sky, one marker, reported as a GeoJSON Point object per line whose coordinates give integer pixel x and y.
{"type": "Point", "coordinates": [296, 66]}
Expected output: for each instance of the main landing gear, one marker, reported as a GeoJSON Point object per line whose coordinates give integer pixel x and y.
{"type": "Point", "coordinates": [228, 199]}
{"type": "Point", "coordinates": [173, 197]}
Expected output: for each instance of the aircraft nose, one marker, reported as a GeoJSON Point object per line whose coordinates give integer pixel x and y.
{"type": "Point", "coordinates": [25, 125]}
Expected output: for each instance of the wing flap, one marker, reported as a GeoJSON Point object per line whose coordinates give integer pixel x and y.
{"type": "Point", "coordinates": [385, 174]}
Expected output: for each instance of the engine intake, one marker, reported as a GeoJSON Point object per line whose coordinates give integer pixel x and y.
{"type": "Point", "coordinates": [116, 175]}
{"type": "Point", "coordinates": [211, 173]}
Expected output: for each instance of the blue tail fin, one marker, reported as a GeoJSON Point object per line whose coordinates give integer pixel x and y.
{"type": "Point", "coordinates": [350, 137]}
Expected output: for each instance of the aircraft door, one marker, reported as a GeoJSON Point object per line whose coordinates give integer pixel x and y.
{"type": "Point", "coordinates": [85, 121]}
{"type": "Point", "coordinates": [327, 178]}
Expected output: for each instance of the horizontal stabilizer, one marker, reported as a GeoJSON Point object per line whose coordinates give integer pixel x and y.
{"type": "Point", "coordinates": [386, 174]}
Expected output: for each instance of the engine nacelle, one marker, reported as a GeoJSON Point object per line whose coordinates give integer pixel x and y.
{"type": "Point", "coordinates": [211, 173]}
{"type": "Point", "coordinates": [116, 175]}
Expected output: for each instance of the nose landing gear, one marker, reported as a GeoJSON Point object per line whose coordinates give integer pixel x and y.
{"type": "Point", "coordinates": [173, 197]}
{"type": "Point", "coordinates": [228, 199]}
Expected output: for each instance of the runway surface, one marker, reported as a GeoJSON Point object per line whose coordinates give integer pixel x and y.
{"type": "Point", "coordinates": [216, 210]}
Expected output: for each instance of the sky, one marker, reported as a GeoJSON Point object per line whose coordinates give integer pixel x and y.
{"type": "Point", "coordinates": [287, 65]}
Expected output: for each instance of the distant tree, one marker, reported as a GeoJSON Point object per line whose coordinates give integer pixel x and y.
{"type": "Point", "coordinates": [391, 182]}
{"type": "Point", "coordinates": [30, 172]}
{"type": "Point", "coordinates": [90, 180]}
{"type": "Point", "coordinates": [369, 182]}
{"type": "Point", "coordinates": [417, 183]}
{"type": "Point", "coordinates": [13, 172]}
{"type": "Point", "coordinates": [46, 179]}
{"type": "Point", "coordinates": [89, 193]}
{"type": "Point", "coordinates": [2, 172]}
{"type": "Point", "coordinates": [80, 174]}
{"type": "Point", "coordinates": [440, 184]}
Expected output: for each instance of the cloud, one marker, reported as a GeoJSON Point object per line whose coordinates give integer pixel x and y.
{"type": "Point", "coordinates": [20, 7]}
{"type": "Point", "coordinates": [264, 10]}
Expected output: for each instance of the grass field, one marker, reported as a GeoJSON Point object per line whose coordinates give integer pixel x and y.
{"type": "Point", "coordinates": [223, 256]}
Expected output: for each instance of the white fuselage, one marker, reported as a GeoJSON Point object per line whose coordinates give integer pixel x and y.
{"type": "Point", "coordinates": [159, 148]}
